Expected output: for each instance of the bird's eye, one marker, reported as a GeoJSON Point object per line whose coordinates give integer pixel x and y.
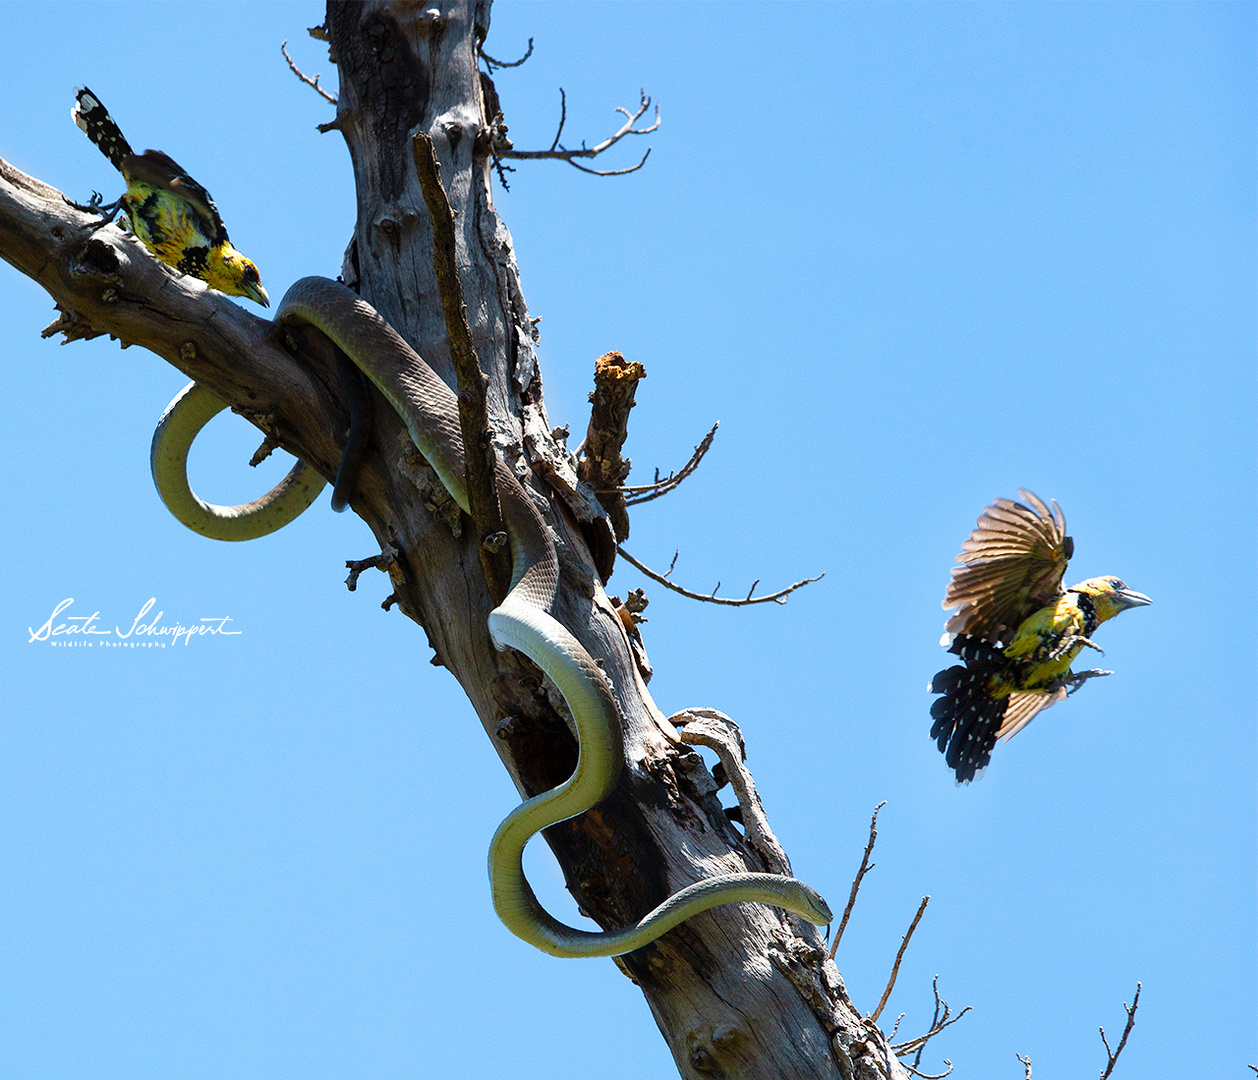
{"type": "Point", "coordinates": [1117, 583]}
{"type": "Point", "coordinates": [251, 273]}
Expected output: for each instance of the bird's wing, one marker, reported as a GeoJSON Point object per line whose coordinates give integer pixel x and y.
{"type": "Point", "coordinates": [160, 170]}
{"type": "Point", "coordinates": [1024, 706]}
{"type": "Point", "coordinates": [1012, 565]}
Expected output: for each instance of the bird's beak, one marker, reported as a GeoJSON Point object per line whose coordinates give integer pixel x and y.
{"type": "Point", "coordinates": [1130, 598]}
{"type": "Point", "coordinates": [258, 293]}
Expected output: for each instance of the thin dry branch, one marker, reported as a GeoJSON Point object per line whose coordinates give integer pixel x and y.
{"type": "Point", "coordinates": [895, 968]}
{"type": "Point", "coordinates": [558, 152]}
{"type": "Point", "coordinates": [491, 63]}
{"type": "Point", "coordinates": [941, 1019]}
{"type": "Point", "coordinates": [1027, 1062]}
{"type": "Point", "coordinates": [385, 561]}
{"type": "Point", "coordinates": [482, 494]}
{"type": "Point", "coordinates": [304, 77]}
{"type": "Point", "coordinates": [778, 597]}
{"type": "Point", "coordinates": [929, 1076]}
{"type": "Point", "coordinates": [865, 867]}
{"type": "Point", "coordinates": [646, 492]}
{"type": "Point", "coordinates": [1131, 1022]}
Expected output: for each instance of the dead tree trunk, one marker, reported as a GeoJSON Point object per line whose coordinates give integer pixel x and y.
{"type": "Point", "coordinates": [741, 991]}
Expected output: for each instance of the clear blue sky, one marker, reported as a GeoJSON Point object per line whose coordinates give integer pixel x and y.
{"type": "Point", "coordinates": [911, 257]}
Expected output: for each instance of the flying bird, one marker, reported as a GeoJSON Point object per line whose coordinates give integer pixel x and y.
{"type": "Point", "coordinates": [1016, 629]}
{"type": "Point", "coordinates": [171, 213]}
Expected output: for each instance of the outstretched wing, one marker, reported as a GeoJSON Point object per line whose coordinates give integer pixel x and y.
{"type": "Point", "coordinates": [1012, 565]}
{"type": "Point", "coordinates": [1024, 706]}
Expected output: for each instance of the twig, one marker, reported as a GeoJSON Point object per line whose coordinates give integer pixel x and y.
{"type": "Point", "coordinates": [482, 494]}
{"type": "Point", "coordinates": [264, 451]}
{"type": "Point", "coordinates": [646, 492]}
{"type": "Point", "coordinates": [895, 968]}
{"type": "Point", "coordinates": [1025, 1061]}
{"type": "Point", "coordinates": [777, 597]}
{"type": "Point", "coordinates": [613, 172]}
{"type": "Point", "coordinates": [72, 324]}
{"type": "Point", "coordinates": [385, 561]}
{"type": "Point", "coordinates": [560, 153]}
{"type": "Point", "coordinates": [491, 63]}
{"type": "Point", "coordinates": [306, 78]}
{"type": "Point", "coordinates": [929, 1076]}
{"type": "Point", "coordinates": [941, 1019]}
{"type": "Point", "coordinates": [563, 118]}
{"type": "Point", "coordinates": [866, 866]}
{"type": "Point", "coordinates": [1131, 1022]}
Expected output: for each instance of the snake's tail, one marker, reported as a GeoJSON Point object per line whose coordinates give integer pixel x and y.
{"type": "Point", "coordinates": [184, 417]}
{"type": "Point", "coordinates": [523, 914]}
{"type": "Point", "coordinates": [583, 685]}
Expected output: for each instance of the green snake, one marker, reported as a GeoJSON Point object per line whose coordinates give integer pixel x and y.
{"type": "Point", "coordinates": [522, 621]}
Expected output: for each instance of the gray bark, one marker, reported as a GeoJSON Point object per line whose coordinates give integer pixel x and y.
{"type": "Point", "coordinates": [742, 991]}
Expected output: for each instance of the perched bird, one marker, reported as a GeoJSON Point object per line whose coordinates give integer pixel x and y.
{"type": "Point", "coordinates": [1016, 629]}
{"type": "Point", "coordinates": [170, 212]}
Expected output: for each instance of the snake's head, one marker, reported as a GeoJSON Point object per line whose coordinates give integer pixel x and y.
{"type": "Point", "coordinates": [819, 912]}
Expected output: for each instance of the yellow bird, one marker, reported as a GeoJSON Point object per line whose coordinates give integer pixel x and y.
{"type": "Point", "coordinates": [171, 213]}
{"type": "Point", "coordinates": [1016, 629]}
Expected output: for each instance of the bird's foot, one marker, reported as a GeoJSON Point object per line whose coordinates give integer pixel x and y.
{"type": "Point", "coordinates": [1076, 679]}
{"type": "Point", "coordinates": [105, 211]}
{"type": "Point", "coordinates": [1090, 644]}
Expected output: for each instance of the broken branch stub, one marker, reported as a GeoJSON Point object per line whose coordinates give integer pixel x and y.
{"type": "Point", "coordinates": [601, 465]}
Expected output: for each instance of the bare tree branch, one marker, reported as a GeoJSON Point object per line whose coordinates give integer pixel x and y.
{"type": "Point", "coordinates": [1131, 1022]}
{"type": "Point", "coordinates": [895, 968]}
{"type": "Point", "coordinates": [491, 63]}
{"type": "Point", "coordinates": [613, 172]}
{"type": "Point", "coordinates": [715, 730]}
{"type": "Point", "coordinates": [778, 597]}
{"type": "Point", "coordinates": [1027, 1062]}
{"type": "Point", "coordinates": [385, 561]}
{"type": "Point", "coordinates": [929, 1076]}
{"type": "Point", "coordinates": [865, 867]}
{"type": "Point", "coordinates": [643, 493]}
{"type": "Point", "coordinates": [306, 78]}
{"type": "Point", "coordinates": [563, 118]}
{"type": "Point", "coordinates": [557, 152]}
{"type": "Point", "coordinates": [941, 1019]}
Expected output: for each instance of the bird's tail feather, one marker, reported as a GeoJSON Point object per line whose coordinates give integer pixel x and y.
{"type": "Point", "coordinates": [967, 716]}
{"type": "Point", "coordinates": [99, 126]}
